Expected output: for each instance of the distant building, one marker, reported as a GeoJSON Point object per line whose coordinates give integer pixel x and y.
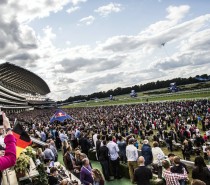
{"type": "Point", "coordinates": [21, 89]}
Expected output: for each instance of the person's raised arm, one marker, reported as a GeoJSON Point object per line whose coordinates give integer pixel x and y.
{"type": "Point", "coordinates": [9, 159]}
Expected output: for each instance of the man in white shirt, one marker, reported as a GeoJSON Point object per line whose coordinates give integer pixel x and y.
{"type": "Point", "coordinates": [132, 157]}
{"type": "Point", "coordinates": [95, 138]}
{"type": "Point", "coordinates": [63, 136]}
{"type": "Point", "coordinates": [114, 157]}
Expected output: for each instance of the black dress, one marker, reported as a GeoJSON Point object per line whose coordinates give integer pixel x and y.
{"type": "Point", "coordinates": [203, 174]}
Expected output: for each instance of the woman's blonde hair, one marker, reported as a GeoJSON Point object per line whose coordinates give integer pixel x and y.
{"type": "Point", "coordinates": [98, 174]}
{"type": "Point", "coordinates": [65, 143]}
{"type": "Point", "coordinates": [69, 149]}
{"type": "Point", "coordinates": [39, 151]}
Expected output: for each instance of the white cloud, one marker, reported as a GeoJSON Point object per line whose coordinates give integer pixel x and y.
{"type": "Point", "coordinates": [68, 42]}
{"type": "Point", "coordinates": [75, 2]}
{"type": "Point", "coordinates": [25, 11]}
{"type": "Point", "coordinates": [177, 13]}
{"type": "Point", "coordinates": [87, 20]}
{"type": "Point", "coordinates": [122, 60]}
{"type": "Point", "coordinates": [154, 36]}
{"type": "Point", "coordinates": [72, 9]}
{"type": "Point", "coordinates": [108, 9]}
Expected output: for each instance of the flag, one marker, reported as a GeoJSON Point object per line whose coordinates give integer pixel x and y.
{"type": "Point", "coordinates": [23, 139]}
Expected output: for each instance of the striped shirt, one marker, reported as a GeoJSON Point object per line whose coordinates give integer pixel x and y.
{"type": "Point", "coordinates": [173, 178]}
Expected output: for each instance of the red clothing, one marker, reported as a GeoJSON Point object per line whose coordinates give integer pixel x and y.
{"type": "Point", "coordinates": [9, 159]}
{"type": "Point", "coordinates": [205, 138]}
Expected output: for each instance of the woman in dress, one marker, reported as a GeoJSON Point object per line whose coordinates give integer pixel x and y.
{"type": "Point", "coordinates": [201, 171]}
{"type": "Point", "coordinates": [98, 178]}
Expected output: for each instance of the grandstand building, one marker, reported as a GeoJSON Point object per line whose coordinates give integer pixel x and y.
{"type": "Point", "coordinates": [21, 89]}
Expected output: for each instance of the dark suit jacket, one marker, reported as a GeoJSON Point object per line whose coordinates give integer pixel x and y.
{"type": "Point", "coordinates": [142, 175]}
{"type": "Point", "coordinates": [103, 153]}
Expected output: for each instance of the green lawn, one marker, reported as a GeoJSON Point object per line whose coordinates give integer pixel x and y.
{"type": "Point", "coordinates": [125, 99]}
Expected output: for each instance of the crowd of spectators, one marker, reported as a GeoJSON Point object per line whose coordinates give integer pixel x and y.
{"type": "Point", "coordinates": [120, 133]}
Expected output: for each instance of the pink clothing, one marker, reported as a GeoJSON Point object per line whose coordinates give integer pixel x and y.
{"type": "Point", "coordinates": [9, 159]}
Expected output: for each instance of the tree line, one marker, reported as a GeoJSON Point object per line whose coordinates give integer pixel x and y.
{"type": "Point", "coordinates": [138, 88]}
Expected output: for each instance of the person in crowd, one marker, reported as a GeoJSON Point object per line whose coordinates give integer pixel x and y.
{"type": "Point", "coordinates": [158, 156]}
{"type": "Point", "coordinates": [78, 161]}
{"type": "Point", "coordinates": [68, 159]}
{"type": "Point", "coordinates": [95, 138]}
{"type": "Point", "coordinates": [197, 182]}
{"type": "Point", "coordinates": [63, 136]}
{"type": "Point", "coordinates": [172, 178]}
{"type": "Point", "coordinates": [54, 150]}
{"type": "Point", "coordinates": [77, 133]}
{"type": "Point", "coordinates": [201, 171]}
{"type": "Point", "coordinates": [98, 178]}
{"type": "Point", "coordinates": [48, 153]}
{"type": "Point", "coordinates": [122, 149]}
{"type": "Point", "coordinates": [40, 155]}
{"type": "Point", "coordinates": [47, 165]}
{"type": "Point", "coordinates": [98, 145]}
{"type": "Point", "coordinates": [208, 154]}
{"type": "Point", "coordinates": [179, 167]}
{"type": "Point", "coordinates": [86, 173]}
{"type": "Point", "coordinates": [170, 142]}
{"type": "Point", "coordinates": [9, 158]}
{"type": "Point", "coordinates": [103, 157]}
{"type": "Point", "coordinates": [73, 162]}
{"type": "Point", "coordinates": [74, 142]}
{"type": "Point", "coordinates": [146, 152]}
{"type": "Point", "coordinates": [171, 159]}
{"type": "Point", "coordinates": [84, 143]}
{"type": "Point", "coordinates": [186, 151]}
{"type": "Point", "coordinates": [132, 156]}
{"type": "Point", "coordinates": [83, 156]}
{"type": "Point", "coordinates": [53, 177]}
{"type": "Point", "coordinates": [114, 157]}
{"type": "Point", "coordinates": [57, 139]}
{"type": "Point", "coordinates": [157, 153]}
{"type": "Point", "coordinates": [142, 174]}
{"type": "Point", "coordinates": [136, 143]}
{"type": "Point", "coordinates": [65, 145]}
{"type": "Point", "coordinates": [43, 135]}
{"type": "Point", "coordinates": [2, 137]}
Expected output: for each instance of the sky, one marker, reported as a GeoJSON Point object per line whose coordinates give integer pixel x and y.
{"type": "Point", "coordinates": [84, 46]}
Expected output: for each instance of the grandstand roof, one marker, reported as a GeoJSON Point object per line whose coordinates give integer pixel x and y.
{"type": "Point", "coordinates": [21, 80]}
